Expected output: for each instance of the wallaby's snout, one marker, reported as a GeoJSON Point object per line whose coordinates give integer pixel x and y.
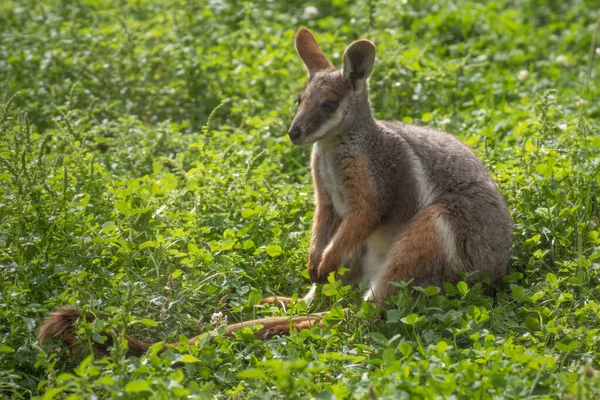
{"type": "Point", "coordinates": [295, 134]}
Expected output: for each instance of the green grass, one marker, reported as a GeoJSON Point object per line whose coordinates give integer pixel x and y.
{"type": "Point", "coordinates": [146, 176]}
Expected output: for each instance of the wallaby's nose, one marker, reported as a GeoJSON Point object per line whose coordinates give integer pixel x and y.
{"type": "Point", "coordinates": [295, 132]}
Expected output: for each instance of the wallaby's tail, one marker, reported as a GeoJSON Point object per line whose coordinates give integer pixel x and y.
{"type": "Point", "coordinates": [60, 326]}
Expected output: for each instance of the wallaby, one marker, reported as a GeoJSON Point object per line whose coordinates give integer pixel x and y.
{"type": "Point", "coordinates": [394, 202]}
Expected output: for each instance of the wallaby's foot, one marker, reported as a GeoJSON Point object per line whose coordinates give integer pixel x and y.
{"type": "Point", "coordinates": [279, 301]}
{"type": "Point", "coordinates": [283, 329]}
{"type": "Point", "coordinates": [279, 327]}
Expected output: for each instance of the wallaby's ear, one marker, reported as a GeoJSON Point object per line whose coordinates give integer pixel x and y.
{"type": "Point", "coordinates": [358, 62]}
{"type": "Point", "coordinates": [310, 53]}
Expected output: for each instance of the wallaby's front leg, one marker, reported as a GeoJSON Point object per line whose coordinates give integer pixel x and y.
{"type": "Point", "coordinates": [349, 239]}
{"type": "Point", "coordinates": [358, 224]}
{"type": "Point", "coordinates": [325, 220]}
{"type": "Point", "coordinates": [325, 225]}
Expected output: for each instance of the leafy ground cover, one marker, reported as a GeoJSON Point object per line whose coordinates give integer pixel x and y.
{"type": "Point", "coordinates": [146, 176]}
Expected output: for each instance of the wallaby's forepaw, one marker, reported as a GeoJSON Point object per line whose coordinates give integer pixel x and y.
{"type": "Point", "coordinates": [279, 301]}
{"type": "Point", "coordinates": [329, 264]}
{"type": "Point", "coordinates": [323, 274]}
{"type": "Point", "coordinates": [319, 275]}
{"type": "Point", "coordinates": [313, 273]}
{"type": "Point", "coordinates": [322, 277]}
{"type": "Point", "coordinates": [314, 259]}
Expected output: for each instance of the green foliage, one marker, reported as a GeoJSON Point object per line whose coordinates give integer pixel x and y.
{"type": "Point", "coordinates": [145, 175]}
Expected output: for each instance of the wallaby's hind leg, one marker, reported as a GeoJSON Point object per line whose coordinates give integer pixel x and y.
{"type": "Point", "coordinates": [420, 254]}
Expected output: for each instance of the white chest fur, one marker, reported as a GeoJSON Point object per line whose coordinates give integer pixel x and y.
{"type": "Point", "coordinates": [330, 178]}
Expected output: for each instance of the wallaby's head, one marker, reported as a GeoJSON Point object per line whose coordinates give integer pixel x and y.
{"type": "Point", "coordinates": [332, 98]}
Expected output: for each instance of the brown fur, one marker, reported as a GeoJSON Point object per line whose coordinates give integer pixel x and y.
{"type": "Point", "coordinates": [359, 223]}
{"type": "Point", "coordinates": [416, 253]}
{"type": "Point", "coordinates": [309, 51]}
{"type": "Point", "coordinates": [325, 222]}
{"type": "Point", "coordinates": [60, 326]}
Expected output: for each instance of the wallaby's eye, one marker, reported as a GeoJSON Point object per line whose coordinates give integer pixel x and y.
{"type": "Point", "coordinates": [329, 106]}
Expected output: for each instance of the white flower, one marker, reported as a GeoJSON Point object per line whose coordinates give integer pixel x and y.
{"type": "Point", "coordinates": [523, 75]}
{"type": "Point", "coordinates": [562, 60]}
{"type": "Point", "coordinates": [311, 12]}
{"type": "Point", "coordinates": [445, 121]}
{"type": "Point", "coordinates": [598, 50]}
{"type": "Point", "coordinates": [580, 102]}
{"type": "Point", "coordinates": [218, 319]}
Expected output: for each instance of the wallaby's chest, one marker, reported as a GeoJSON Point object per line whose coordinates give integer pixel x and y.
{"type": "Point", "coordinates": [329, 174]}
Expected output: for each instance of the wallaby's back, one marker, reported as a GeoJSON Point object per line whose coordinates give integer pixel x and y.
{"type": "Point", "coordinates": [447, 171]}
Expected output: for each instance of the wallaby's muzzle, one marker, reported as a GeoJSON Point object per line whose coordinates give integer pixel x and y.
{"type": "Point", "coordinates": [295, 134]}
